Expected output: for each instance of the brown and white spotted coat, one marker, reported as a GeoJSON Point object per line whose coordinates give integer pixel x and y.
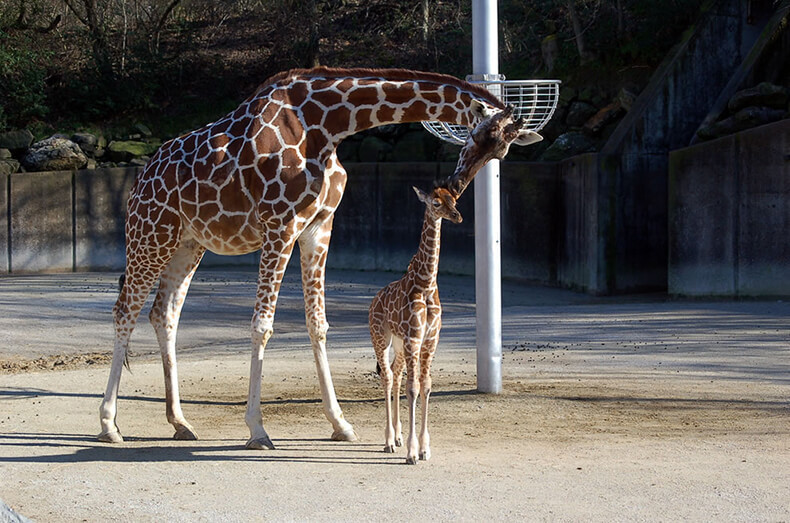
{"type": "Point", "coordinates": [263, 177]}
{"type": "Point", "coordinates": [407, 315]}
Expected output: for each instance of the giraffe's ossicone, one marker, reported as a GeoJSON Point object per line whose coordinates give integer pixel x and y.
{"type": "Point", "coordinates": [263, 177]}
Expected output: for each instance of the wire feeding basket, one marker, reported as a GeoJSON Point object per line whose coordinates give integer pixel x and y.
{"type": "Point", "coordinates": [534, 100]}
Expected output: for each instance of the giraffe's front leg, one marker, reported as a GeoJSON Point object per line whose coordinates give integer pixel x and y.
{"type": "Point", "coordinates": [411, 349]}
{"type": "Point", "coordinates": [164, 315]}
{"type": "Point", "coordinates": [270, 276]}
{"type": "Point", "coordinates": [313, 248]}
{"type": "Point", "coordinates": [426, 357]}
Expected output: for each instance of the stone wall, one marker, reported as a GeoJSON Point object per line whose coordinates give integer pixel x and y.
{"type": "Point", "coordinates": [729, 215]}
{"type": "Point", "coordinates": [74, 220]}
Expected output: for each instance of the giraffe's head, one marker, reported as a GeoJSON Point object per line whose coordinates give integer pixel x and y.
{"type": "Point", "coordinates": [440, 204]}
{"type": "Point", "coordinates": [490, 139]}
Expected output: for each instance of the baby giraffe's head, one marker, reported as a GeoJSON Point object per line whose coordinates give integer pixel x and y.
{"type": "Point", "coordinates": [440, 204]}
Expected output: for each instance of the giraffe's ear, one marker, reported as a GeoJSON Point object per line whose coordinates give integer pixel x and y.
{"type": "Point", "coordinates": [480, 110]}
{"type": "Point", "coordinates": [420, 194]}
{"type": "Point", "coordinates": [527, 137]}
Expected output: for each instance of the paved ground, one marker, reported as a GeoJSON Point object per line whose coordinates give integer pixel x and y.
{"type": "Point", "coordinates": [628, 408]}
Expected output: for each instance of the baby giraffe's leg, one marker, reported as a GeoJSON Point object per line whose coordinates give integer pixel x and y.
{"type": "Point", "coordinates": [426, 357]}
{"type": "Point", "coordinates": [397, 372]}
{"type": "Point", "coordinates": [381, 344]}
{"type": "Point", "coordinates": [411, 350]}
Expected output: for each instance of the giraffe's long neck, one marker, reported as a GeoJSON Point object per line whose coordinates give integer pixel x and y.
{"type": "Point", "coordinates": [424, 266]}
{"type": "Point", "coordinates": [333, 105]}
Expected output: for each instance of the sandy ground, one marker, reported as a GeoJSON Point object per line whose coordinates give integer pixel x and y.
{"type": "Point", "coordinates": [613, 409]}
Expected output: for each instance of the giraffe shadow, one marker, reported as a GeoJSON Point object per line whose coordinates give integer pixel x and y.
{"type": "Point", "coordinates": [83, 448]}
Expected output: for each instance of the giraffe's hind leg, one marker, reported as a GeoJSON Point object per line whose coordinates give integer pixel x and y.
{"type": "Point", "coordinates": [382, 341]}
{"type": "Point", "coordinates": [136, 285]}
{"type": "Point", "coordinates": [164, 316]}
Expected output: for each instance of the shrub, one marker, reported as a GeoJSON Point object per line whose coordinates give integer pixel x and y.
{"type": "Point", "coordinates": [22, 83]}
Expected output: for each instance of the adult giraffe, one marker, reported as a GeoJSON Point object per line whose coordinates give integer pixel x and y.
{"type": "Point", "coordinates": [263, 177]}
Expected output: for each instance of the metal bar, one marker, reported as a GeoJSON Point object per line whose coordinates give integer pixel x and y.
{"type": "Point", "coordinates": [488, 291]}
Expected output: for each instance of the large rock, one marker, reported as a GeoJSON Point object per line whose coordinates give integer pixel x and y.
{"type": "Point", "coordinates": [763, 95]}
{"type": "Point", "coordinates": [88, 142]}
{"type": "Point", "coordinates": [744, 119]}
{"type": "Point", "coordinates": [16, 140]}
{"type": "Point", "coordinates": [604, 117]}
{"type": "Point", "coordinates": [125, 151]}
{"type": "Point", "coordinates": [8, 166]}
{"type": "Point", "coordinates": [567, 145]}
{"type": "Point", "coordinates": [579, 112]}
{"type": "Point", "coordinates": [54, 154]}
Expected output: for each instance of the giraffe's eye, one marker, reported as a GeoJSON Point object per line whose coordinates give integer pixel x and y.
{"type": "Point", "coordinates": [437, 203]}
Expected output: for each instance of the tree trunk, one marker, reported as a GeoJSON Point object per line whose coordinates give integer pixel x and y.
{"type": "Point", "coordinates": [577, 30]}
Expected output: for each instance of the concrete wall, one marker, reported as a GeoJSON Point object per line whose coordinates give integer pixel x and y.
{"type": "Point", "coordinates": [729, 215]}
{"type": "Point", "coordinates": [65, 221]}
{"type": "Point", "coordinates": [633, 163]}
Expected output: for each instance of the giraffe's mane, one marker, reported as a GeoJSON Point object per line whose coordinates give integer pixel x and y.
{"type": "Point", "coordinates": [387, 74]}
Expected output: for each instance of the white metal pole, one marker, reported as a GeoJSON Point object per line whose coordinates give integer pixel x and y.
{"type": "Point", "coordinates": [488, 292]}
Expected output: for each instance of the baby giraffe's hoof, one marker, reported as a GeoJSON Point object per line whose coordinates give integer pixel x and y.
{"type": "Point", "coordinates": [185, 433]}
{"type": "Point", "coordinates": [260, 443]}
{"type": "Point", "coordinates": [111, 437]}
{"type": "Point", "coordinates": [425, 455]}
{"type": "Point", "coordinates": [411, 460]}
{"type": "Point", "coordinates": [399, 441]}
{"type": "Point", "coordinates": [389, 449]}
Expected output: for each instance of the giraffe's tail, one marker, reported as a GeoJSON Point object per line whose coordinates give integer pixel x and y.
{"type": "Point", "coordinates": [121, 281]}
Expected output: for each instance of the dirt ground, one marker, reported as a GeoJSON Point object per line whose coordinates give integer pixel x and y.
{"type": "Point", "coordinates": [626, 409]}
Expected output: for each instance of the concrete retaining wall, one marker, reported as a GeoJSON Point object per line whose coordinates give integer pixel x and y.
{"type": "Point", "coordinates": [72, 221]}
{"type": "Point", "coordinates": [729, 215]}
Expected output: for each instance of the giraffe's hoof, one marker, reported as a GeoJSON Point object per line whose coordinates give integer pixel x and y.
{"type": "Point", "coordinates": [425, 455]}
{"type": "Point", "coordinates": [185, 433]}
{"type": "Point", "coordinates": [112, 436]}
{"type": "Point", "coordinates": [411, 460]}
{"type": "Point", "coordinates": [347, 434]}
{"type": "Point", "coordinates": [260, 443]}
{"type": "Point", "coordinates": [389, 449]}
{"type": "Point", "coordinates": [399, 441]}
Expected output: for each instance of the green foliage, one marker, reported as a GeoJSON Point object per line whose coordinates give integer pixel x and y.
{"type": "Point", "coordinates": [207, 55]}
{"type": "Point", "coordinates": [22, 83]}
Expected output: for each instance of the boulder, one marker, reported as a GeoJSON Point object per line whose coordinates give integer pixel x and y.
{"type": "Point", "coordinates": [740, 121]}
{"type": "Point", "coordinates": [143, 130]}
{"type": "Point", "coordinates": [626, 99]}
{"type": "Point", "coordinates": [604, 117]}
{"type": "Point", "coordinates": [579, 112]}
{"type": "Point", "coordinates": [125, 151]}
{"type": "Point", "coordinates": [763, 95]}
{"type": "Point", "coordinates": [54, 154]}
{"type": "Point", "coordinates": [9, 166]}
{"type": "Point", "coordinates": [5, 154]}
{"type": "Point", "coordinates": [16, 140]}
{"type": "Point", "coordinates": [567, 145]}
{"type": "Point", "coordinates": [87, 142]}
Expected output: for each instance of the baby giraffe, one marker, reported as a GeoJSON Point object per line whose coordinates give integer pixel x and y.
{"type": "Point", "coordinates": [407, 315]}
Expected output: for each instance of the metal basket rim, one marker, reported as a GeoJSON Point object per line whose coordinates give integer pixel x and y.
{"type": "Point", "coordinates": [445, 132]}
